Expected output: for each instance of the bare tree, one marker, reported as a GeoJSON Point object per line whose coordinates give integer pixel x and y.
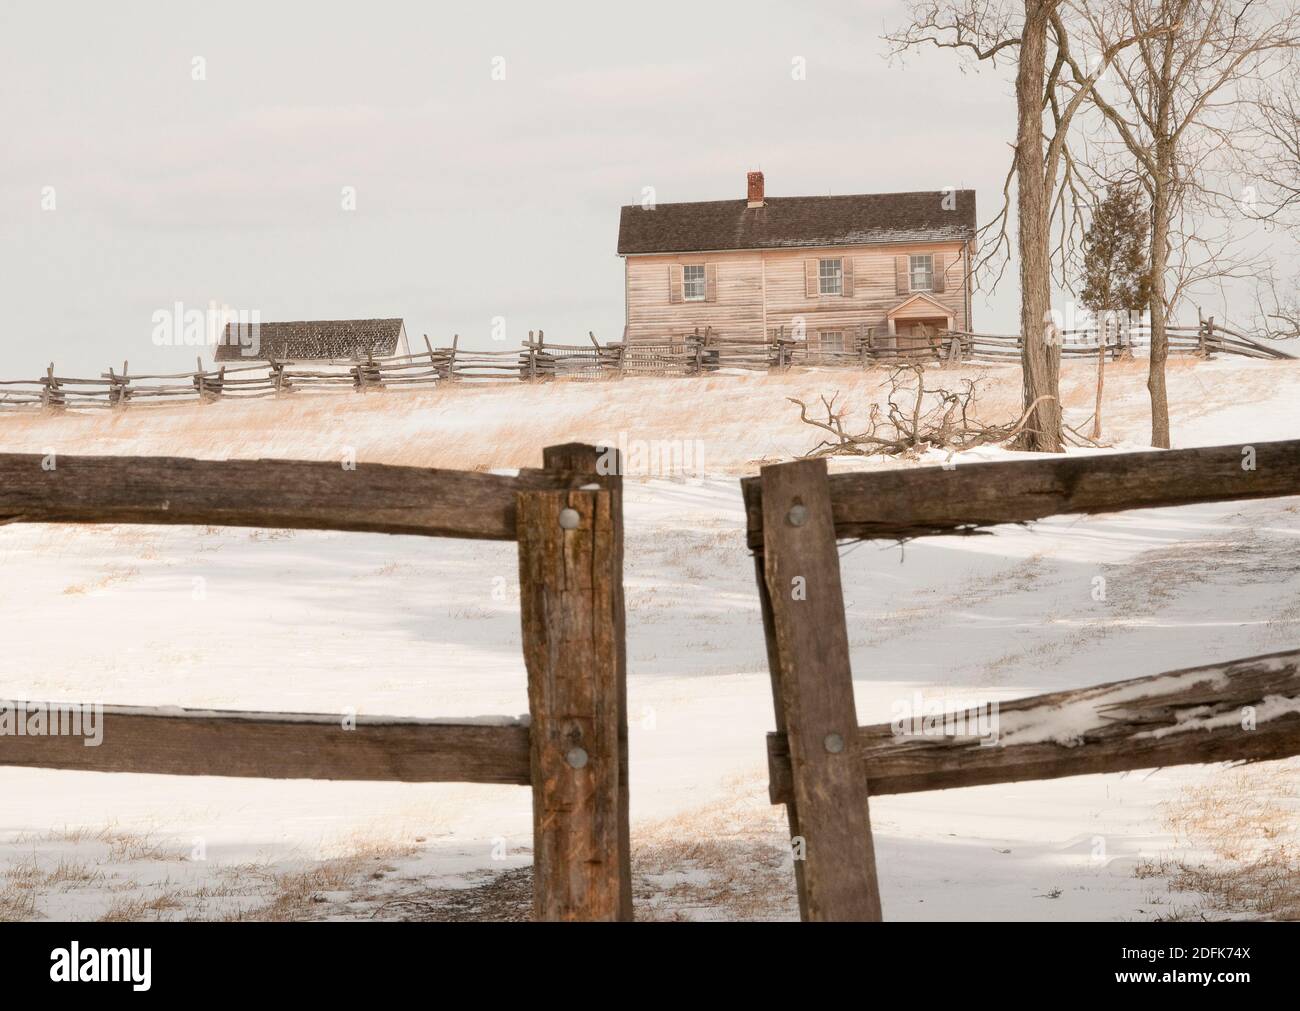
{"type": "Point", "coordinates": [1176, 106]}
{"type": "Point", "coordinates": [1032, 34]}
{"type": "Point", "coordinates": [1278, 312]}
{"type": "Point", "coordinates": [1276, 163]}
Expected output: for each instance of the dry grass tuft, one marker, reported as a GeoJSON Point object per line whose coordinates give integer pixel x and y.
{"type": "Point", "coordinates": [1246, 823]}
{"type": "Point", "coordinates": [301, 894]}
{"type": "Point", "coordinates": [729, 861]}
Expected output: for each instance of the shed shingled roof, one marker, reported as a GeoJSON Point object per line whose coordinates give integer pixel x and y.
{"type": "Point", "coordinates": [311, 340]}
{"type": "Point", "coordinates": [785, 222]}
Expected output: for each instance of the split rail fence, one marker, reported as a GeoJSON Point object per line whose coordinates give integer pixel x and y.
{"type": "Point", "coordinates": [822, 765]}
{"type": "Point", "coordinates": [696, 354]}
{"type": "Point", "coordinates": [572, 751]}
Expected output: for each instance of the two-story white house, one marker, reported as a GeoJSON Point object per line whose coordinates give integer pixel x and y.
{"type": "Point", "coordinates": [826, 269]}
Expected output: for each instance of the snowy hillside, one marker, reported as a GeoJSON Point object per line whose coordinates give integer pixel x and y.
{"type": "Point", "coordinates": [303, 621]}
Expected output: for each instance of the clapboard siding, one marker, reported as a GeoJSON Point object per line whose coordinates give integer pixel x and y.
{"type": "Point", "coordinates": [737, 312]}
{"type": "Point", "coordinates": [758, 293]}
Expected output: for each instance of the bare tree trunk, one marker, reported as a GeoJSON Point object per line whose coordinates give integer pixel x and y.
{"type": "Point", "coordinates": [1041, 355]}
{"type": "Point", "coordinates": [1101, 383]}
{"type": "Point", "coordinates": [1160, 211]}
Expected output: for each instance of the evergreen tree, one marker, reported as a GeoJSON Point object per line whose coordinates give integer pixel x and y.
{"type": "Point", "coordinates": [1116, 274]}
{"type": "Point", "coordinates": [1115, 271]}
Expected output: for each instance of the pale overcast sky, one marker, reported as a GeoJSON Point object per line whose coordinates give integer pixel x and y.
{"type": "Point", "coordinates": [475, 197]}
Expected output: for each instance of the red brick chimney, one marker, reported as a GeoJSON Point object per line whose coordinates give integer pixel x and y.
{"type": "Point", "coordinates": [756, 189]}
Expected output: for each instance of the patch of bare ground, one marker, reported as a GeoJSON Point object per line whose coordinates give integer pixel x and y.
{"type": "Point", "coordinates": [727, 861]}
{"type": "Point", "coordinates": [1244, 828]}
{"type": "Point", "coordinates": [307, 893]}
{"type": "Point", "coordinates": [502, 897]}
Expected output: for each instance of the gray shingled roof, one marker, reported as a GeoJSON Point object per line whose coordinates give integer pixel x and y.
{"type": "Point", "coordinates": [785, 222]}
{"type": "Point", "coordinates": [315, 339]}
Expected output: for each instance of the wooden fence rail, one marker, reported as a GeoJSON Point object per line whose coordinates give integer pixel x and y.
{"type": "Point", "coordinates": [822, 765]}
{"type": "Point", "coordinates": [195, 742]}
{"type": "Point", "coordinates": [567, 520]}
{"type": "Point", "coordinates": [1143, 723]}
{"type": "Point", "coordinates": [694, 354]}
{"type": "Point", "coordinates": [931, 500]}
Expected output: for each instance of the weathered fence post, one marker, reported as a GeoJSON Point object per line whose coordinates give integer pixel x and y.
{"type": "Point", "coordinates": [52, 396]}
{"type": "Point", "coordinates": [570, 565]}
{"type": "Point", "coordinates": [599, 356]}
{"type": "Point", "coordinates": [209, 393]}
{"type": "Point", "coordinates": [808, 653]}
{"type": "Point", "coordinates": [606, 465]}
{"type": "Point", "coordinates": [371, 371]}
{"type": "Point", "coordinates": [433, 362]}
{"type": "Point", "coordinates": [115, 391]}
{"type": "Point", "coordinates": [124, 390]}
{"type": "Point", "coordinates": [451, 358]}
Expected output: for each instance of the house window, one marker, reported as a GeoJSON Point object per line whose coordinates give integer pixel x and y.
{"type": "Point", "coordinates": [830, 340]}
{"type": "Point", "coordinates": [830, 276]}
{"type": "Point", "coordinates": [693, 282]}
{"type": "Point", "coordinates": [922, 272]}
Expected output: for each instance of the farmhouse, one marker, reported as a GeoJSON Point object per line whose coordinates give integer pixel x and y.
{"type": "Point", "coordinates": [313, 340]}
{"type": "Point", "coordinates": [830, 269]}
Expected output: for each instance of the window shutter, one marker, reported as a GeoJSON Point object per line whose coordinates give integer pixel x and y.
{"type": "Point", "coordinates": [710, 282]}
{"type": "Point", "coordinates": [902, 283]}
{"type": "Point", "coordinates": [938, 284]}
{"type": "Point", "coordinates": [674, 282]}
{"type": "Point", "coordinates": [811, 284]}
{"type": "Point", "coordinates": [846, 289]}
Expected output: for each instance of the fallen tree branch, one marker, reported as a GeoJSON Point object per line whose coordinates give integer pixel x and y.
{"type": "Point", "coordinates": [914, 419]}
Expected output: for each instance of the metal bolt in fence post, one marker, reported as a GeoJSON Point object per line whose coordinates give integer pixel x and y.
{"type": "Point", "coordinates": [576, 757]}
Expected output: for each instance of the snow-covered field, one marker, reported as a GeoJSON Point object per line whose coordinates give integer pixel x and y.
{"type": "Point", "coordinates": [304, 621]}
